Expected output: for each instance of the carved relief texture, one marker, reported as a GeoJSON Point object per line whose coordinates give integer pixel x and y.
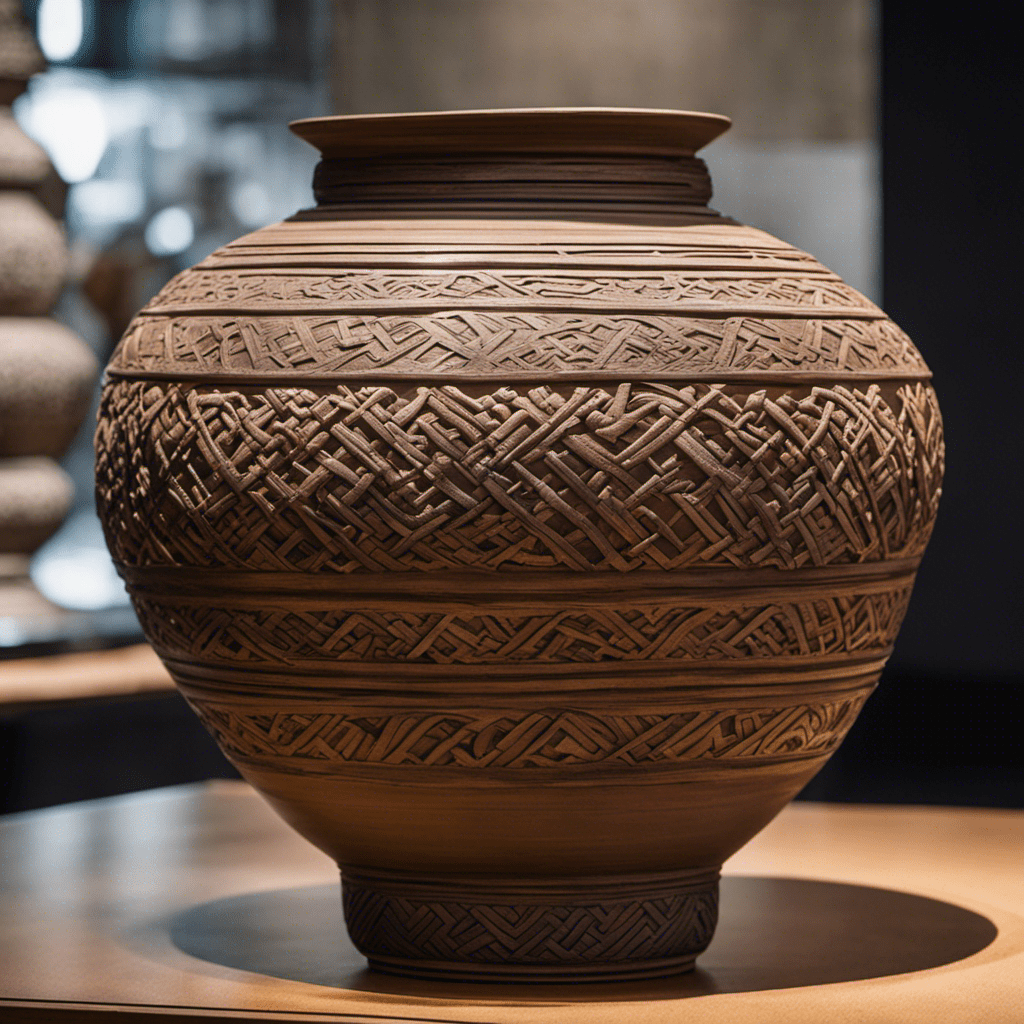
{"type": "Point", "coordinates": [499, 345]}
{"type": "Point", "coordinates": [351, 479]}
{"type": "Point", "coordinates": [450, 509]}
{"type": "Point", "coordinates": [269, 635]}
{"type": "Point", "coordinates": [619, 930]}
{"type": "Point", "coordinates": [518, 739]}
{"type": "Point", "coordinates": [280, 246]}
{"type": "Point", "coordinates": [209, 288]}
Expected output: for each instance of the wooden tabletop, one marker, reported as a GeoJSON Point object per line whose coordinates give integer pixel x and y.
{"type": "Point", "coordinates": [196, 903]}
{"type": "Point", "coordinates": [118, 672]}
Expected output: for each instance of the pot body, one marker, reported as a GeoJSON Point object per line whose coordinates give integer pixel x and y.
{"type": "Point", "coordinates": [527, 533]}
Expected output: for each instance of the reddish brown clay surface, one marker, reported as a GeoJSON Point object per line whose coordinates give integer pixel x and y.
{"type": "Point", "coordinates": [526, 531]}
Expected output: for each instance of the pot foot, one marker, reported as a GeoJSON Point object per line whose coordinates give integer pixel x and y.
{"type": "Point", "coordinates": [620, 928]}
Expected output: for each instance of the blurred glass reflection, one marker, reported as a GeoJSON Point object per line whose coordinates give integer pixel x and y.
{"type": "Point", "coordinates": [167, 120]}
{"type": "Point", "coordinates": [60, 28]}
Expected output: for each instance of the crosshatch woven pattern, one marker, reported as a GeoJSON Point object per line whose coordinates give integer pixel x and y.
{"type": "Point", "coordinates": [499, 345]}
{"type": "Point", "coordinates": [548, 738]}
{"type": "Point", "coordinates": [207, 288]}
{"type": "Point", "coordinates": [448, 929]}
{"type": "Point", "coordinates": [350, 479]}
{"type": "Point", "coordinates": [212, 633]}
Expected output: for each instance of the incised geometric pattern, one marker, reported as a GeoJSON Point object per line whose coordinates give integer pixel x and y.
{"type": "Point", "coordinates": [354, 479]}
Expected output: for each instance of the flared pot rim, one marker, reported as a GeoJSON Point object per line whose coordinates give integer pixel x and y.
{"type": "Point", "coordinates": [605, 131]}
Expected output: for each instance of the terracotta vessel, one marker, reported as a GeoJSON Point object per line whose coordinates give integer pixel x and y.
{"type": "Point", "coordinates": [525, 531]}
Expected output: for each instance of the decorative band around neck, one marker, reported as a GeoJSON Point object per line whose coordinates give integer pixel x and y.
{"type": "Point", "coordinates": [667, 185]}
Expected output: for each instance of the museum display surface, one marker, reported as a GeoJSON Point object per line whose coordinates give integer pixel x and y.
{"type": "Point", "coordinates": [526, 531]}
{"type": "Point", "coordinates": [198, 903]}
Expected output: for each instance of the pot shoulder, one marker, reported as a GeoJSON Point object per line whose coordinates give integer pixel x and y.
{"type": "Point", "coordinates": [538, 300]}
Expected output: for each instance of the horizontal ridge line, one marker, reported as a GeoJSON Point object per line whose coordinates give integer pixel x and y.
{"type": "Point", "coordinates": [295, 378]}
{"type": "Point", "coordinates": [523, 585]}
{"type": "Point", "coordinates": [780, 312]}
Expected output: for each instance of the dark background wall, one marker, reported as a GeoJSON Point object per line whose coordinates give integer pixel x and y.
{"type": "Point", "coordinates": [944, 726]}
{"type": "Point", "coordinates": [952, 94]}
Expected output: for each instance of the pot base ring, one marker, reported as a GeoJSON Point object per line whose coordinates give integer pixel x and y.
{"type": "Point", "coordinates": [627, 927]}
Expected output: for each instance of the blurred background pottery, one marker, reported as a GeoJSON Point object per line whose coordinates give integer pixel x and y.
{"type": "Point", "coordinates": [47, 372]}
{"type": "Point", "coordinates": [527, 532]}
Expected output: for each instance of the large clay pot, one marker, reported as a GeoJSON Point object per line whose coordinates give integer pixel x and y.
{"type": "Point", "coordinates": [525, 531]}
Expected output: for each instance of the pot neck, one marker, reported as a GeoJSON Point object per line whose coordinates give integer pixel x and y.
{"type": "Point", "coordinates": [497, 186]}
{"type": "Point", "coordinates": [590, 163]}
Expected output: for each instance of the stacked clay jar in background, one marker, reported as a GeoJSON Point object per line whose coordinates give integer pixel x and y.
{"type": "Point", "coordinates": [46, 371]}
